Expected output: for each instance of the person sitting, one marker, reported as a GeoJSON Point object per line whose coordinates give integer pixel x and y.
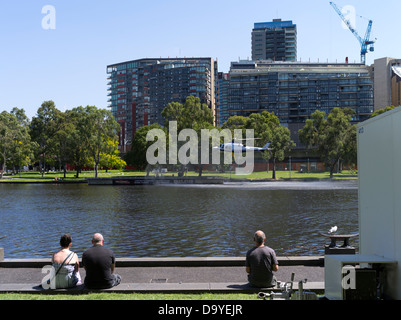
{"type": "Point", "coordinates": [261, 262]}
{"type": "Point", "coordinates": [99, 263]}
{"type": "Point", "coordinates": [66, 265]}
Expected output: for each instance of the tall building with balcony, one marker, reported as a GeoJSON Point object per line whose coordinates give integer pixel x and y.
{"type": "Point", "coordinates": [275, 41]}
{"type": "Point", "coordinates": [293, 91]}
{"type": "Point", "coordinates": [139, 90]}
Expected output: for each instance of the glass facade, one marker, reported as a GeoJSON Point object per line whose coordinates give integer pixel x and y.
{"type": "Point", "coordinates": [139, 90]}
{"type": "Point", "coordinates": [293, 91]}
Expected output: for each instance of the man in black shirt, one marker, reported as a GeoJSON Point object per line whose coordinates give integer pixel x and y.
{"type": "Point", "coordinates": [261, 262]}
{"type": "Point", "coordinates": [99, 263]}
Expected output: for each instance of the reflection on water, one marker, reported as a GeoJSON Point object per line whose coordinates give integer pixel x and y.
{"type": "Point", "coordinates": [160, 221]}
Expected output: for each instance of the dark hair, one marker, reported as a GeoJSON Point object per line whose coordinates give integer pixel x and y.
{"type": "Point", "coordinates": [65, 240]}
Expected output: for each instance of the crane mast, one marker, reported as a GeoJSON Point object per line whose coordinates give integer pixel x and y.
{"type": "Point", "coordinates": [366, 44]}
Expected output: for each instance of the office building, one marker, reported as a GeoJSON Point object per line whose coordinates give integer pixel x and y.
{"type": "Point", "coordinates": [223, 98]}
{"type": "Point", "coordinates": [275, 41]}
{"type": "Point", "coordinates": [387, 82]}
{"type": "Point", "coordinates": [293, 91]}
{"type": "Point", "coordinates": [139, 90]}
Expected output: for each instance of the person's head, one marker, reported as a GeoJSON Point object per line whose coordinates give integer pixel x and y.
{"type": "Point", "coordinates": [97, 239]}
{"type": "Point", "coordinates": [65, 241]}
{"type": "Point", "coordinates": [259, 237]}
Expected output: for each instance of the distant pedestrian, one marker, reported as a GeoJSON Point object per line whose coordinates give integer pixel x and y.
{"type": "Point", "coordinates": [99, 263]}
{"type": "Point", "coordinates": [261, 262]}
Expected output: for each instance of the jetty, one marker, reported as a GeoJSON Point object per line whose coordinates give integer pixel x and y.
{"type": "Point", "coordinates": [154, 180]}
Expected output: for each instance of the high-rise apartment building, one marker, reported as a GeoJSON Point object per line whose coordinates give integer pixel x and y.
{"type": "Point", "coordinates": [139, 90]}
{"type": "Point", "coordinates": [223, 98]}
{"type": "Point", "coordinates": [293, 91]}
{"type": "Point", "coordinates": [276, 41]}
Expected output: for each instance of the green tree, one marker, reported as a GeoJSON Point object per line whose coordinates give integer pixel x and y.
{"type": "Point", "coordinates": [15, 141]}
{"type": "Point", "coordinates": [192, 115]}
{"type": "Point", "coordinates": [137, 155]}
{"type": "Point", "coordinates": [334, 137]}
{"type": "Point", "coordinates": [174, 111]}
{"type": "Point", "coordinates": [235, 122]}
{"type": "Point", "coordinates": [267, 128]}
{"type": "Point", "coordinates": [24, 147]}
{"type": "Point", "coordinates": [43, 129]}
{"type": "Point", "coordinates": [111, 158]}
{"type": "Point", "coordinates": [96, 127]}
{"type": "Point", "coordinates": [378, 112]}
{"type": "Point", "coordinates": [77, 151]}
{"type": "Point", "coordinates": [64, 141]}
{"type": "Point", "coordinates": [280, 143]}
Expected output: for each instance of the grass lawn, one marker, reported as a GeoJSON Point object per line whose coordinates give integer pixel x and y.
{"type": "Point", "coordinates": [128, 296]}
{"type": "Point", "coordinates": [280, 175]}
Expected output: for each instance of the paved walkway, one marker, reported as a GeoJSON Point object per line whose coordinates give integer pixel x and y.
{"type": "Point", "coordinates": [176, 275]}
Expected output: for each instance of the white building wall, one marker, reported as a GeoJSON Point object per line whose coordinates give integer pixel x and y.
{"type": "Point", "coordinates": [379, 166]}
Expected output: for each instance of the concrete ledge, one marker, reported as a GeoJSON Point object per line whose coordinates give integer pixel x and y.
{"type": "Point", "coordinates": [164, 287]}
{"type": "Point", "coordinates": [174, 262]}
{"type": "Point", "coordinates": [317, 287]}
{"type": "Point", "coordinates": [1, 254]}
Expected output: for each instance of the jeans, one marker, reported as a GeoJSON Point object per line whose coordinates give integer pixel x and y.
{"type": "Point", "coordinates": [116, 279]}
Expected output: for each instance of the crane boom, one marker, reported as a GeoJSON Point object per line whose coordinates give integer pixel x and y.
{"type": "Point", "coordinates": [365, 43]}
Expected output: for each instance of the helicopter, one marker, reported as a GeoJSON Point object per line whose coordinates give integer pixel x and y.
{"type": "Point", "coordinates": [239, 147]}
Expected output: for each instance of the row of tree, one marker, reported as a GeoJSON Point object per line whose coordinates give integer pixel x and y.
{"type": "Point", "coordinates": [88, 137]}
{"type": "Point", "coordinates": [331, 136]}
{"type": "Point", "coordinates": [197, 116]}
{"type": "Point", "coordinates": [81, 137]}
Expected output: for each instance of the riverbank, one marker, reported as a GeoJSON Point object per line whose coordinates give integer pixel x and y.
{"type": "Point", "coordinates": [58, 177]}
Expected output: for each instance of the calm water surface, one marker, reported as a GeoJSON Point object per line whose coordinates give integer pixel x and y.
{"type": "Point", "coordinates": [179, 221]}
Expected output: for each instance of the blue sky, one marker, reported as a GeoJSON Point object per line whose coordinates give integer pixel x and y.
{"type": "Point", "coordinates": [68, 64]}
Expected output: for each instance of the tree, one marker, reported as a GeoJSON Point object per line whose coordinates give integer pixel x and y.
{"type": "Point", "coordinates": [137, 155]}
{"type": "Point", "coordinates": [281, 143]}
{"type": "Point", "coordinates": [174, 111]}
{"type": "Point", "coordinates": [111, 158]}
{"type": "Point", "coordinates": [78, 154]}
{"type": "Point", "coordinates": [14, 137]}
{"type": "Point", "coordinates": [192, 115]}
{"type": "Point", "coordinates": [64, 141]}
{"type": "Point", "coordinates": [43, 129]}
{"type": "Point", "coordinates": [235, 122]}
{"type": "Point", "coordinates": [267, 128]}
{"type": "Point", "coordinates": [334, 137]}
{"type": "Point", "coordinates": [24, 147]}
{"type": "Point", "coordinates": [96, 127]}
{"type": "Point", "coordinates": [378, 112]}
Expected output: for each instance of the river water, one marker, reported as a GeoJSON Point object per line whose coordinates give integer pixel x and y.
{"type": "Point", "coordinates": [176, 220]}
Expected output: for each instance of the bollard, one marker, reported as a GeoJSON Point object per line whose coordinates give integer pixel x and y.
{"type": "Point", "coordinates": [333, 248]}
